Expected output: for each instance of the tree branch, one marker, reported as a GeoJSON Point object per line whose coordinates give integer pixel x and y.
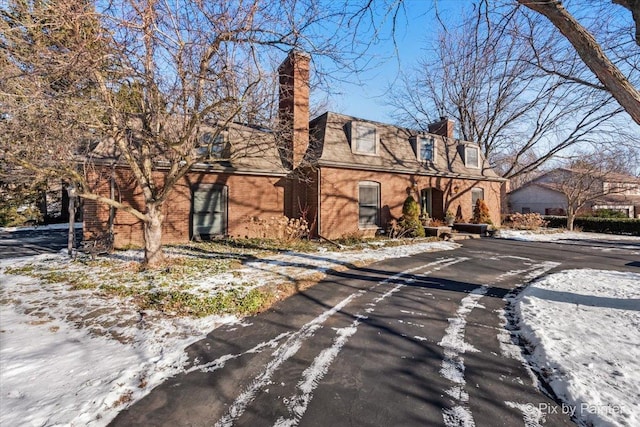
{"type": "Point", "coordinates": [591, 54]}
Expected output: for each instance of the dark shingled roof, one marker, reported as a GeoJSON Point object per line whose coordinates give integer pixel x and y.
{"type": "Point", "coordinates": [330, 146]}
{"type": "Point", "coordinates": [246, 149]}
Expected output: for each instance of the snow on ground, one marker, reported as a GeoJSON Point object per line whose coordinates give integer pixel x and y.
{"type": "Point", "coordinates": [72, 358]}
{"type": "Point", "coordinates": [63, 226]}
{"type": "Point", "coordinates": [559, 235]}
{"type": "Point", "coordinates": [583, 327]}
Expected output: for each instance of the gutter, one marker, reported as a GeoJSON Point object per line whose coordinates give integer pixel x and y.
{"type": "Point", "coordinates": [410, 171]}
{"type": "Point", "coordinates": [199, 167]}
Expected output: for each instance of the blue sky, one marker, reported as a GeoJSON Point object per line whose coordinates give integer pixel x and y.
{"type": "Point", "coordinates": [365, 94]}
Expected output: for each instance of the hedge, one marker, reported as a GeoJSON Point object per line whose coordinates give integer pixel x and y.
{"type": "Point", "coordinates": [598, 225]}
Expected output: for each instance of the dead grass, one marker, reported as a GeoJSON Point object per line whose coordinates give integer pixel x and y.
{"type": "Point", "coordinates": [169, 289]}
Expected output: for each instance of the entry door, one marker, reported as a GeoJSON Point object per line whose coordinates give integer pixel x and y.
{"type": "Point", "coordinates": [209, 217]}
{"type": "Point", "coordinates": [426, 201]}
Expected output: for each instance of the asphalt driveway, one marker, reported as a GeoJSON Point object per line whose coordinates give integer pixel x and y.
{"type": "Point", "coordinates": [28, 242]}
{"type": "Point", "coordinates": [412, 341]}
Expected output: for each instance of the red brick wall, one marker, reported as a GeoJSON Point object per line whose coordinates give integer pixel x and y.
{"type": "Point", "coordinates": [302, 196]}
{"type": "Point", "coordinates": [259, 196]}
{"type": "Point", "coordinates": [339, 200]}
{"type": "Point", "coordinates": [294, 104]}
{"type": "Point", "coordinates": [264, 197]}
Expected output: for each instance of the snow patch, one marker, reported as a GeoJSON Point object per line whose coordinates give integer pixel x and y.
{"type": "Point", "coordinates": [531, 414]}
{"type": "Point", "coordinates": [458, 416]}
{"type": "Point", "coordinates": [583, 327]}
{"type": "Point", "coordinates": [554, 236]}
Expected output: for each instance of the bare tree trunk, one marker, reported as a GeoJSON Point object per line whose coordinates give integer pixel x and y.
{"type": "Point", "coordinates": [591, 54]}
{"type": "Point", "coordinates": [71, 191]}
{"type": "Point", "coordinates": [153, 254]}
{"type": "Point", "coordinates": [571, 216]}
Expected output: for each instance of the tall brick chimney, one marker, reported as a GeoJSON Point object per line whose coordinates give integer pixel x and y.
{"type": "Point", "coordinates": [443, 127]}
{"type": "Point", "coordinates": [293, 110]}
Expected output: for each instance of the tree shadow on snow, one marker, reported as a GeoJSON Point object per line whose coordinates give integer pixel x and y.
{"type": "Point", "coordinates": [586, 300]}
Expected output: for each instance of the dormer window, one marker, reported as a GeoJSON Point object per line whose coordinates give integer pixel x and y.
{"type": "Point", "coordinates": [212, 145]}
{"type": "Point", "coordinates": [425, 148]}
{"type": "Point", "coordinates": [364, 138]}
{"type": "Point", "coordinates": [471, 156]}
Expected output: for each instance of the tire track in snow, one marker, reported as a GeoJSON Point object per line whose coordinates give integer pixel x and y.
{"type": "Point", "coordinates": [222, 360]}
{"type": "Point", "coordinates": [455, 346]}
{"type": "Point", "coordinates": [321, 363]}
{"type": "Point", "coordinates": [289, 348]}
{"type": "Point", "coordinates": [311, 377]}
{"type": "Point", "coordinates": [531, 415]}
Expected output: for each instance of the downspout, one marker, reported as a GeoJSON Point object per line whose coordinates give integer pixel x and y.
{"type": "Point", "coordinates": [319, 208]}
{"type": "Point", "coordinates": [112, 196]}
{"type": "Point", "coordinates": [71, 191]}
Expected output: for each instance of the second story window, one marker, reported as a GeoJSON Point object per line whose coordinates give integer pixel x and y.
{"type": "Point", "coordinates": [364, 138]}
{"type": "Point", "coordinates": [212, 145]}
{"type": "Point", "coordinates": [471, 156]}
{"type": "Point", "coordinates": [426, 148]}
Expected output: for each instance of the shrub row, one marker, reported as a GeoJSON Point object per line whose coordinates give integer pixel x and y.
{"type": "Point", "coordinates": [598, 225]}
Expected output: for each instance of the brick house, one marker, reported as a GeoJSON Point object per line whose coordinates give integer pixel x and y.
{"type": "Point", "coordinates": [363, 171]}
{"type": "Point", "coordinates": [243, 177]}
{"type": "Point", "coordinates": [346, 175]}
{"type": "Point", "coordinates": [544, 195]}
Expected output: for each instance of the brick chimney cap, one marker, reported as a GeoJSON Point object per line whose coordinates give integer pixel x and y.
{"type": "Point", "coordinates": [293, 55]}
{"type": "Point", "coordinates": [299, 52]}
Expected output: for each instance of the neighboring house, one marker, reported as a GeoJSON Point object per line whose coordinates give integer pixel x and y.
{"type": "Point", "coordinates": [544, 195]}
{"type": "Point", "coordinates": [345, 175]}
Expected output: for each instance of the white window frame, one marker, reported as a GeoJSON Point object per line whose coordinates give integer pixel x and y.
{"type": "Point", "coordinates": [356, 128]}
{"type": "Point", "coordinates": [368, 184]}
{"type": "Point", "coordinates": [474, 198]}
{"type": "Point", "coordinates": [213, 147]}
{"type": "Point", "coordinates": [466, 156]}
{"type": "Point", "coordinates": [419, 142]}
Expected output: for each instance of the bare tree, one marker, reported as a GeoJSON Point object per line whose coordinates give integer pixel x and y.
{"type": "Point", "coordinates": [587, 178]}
{"type": "Point", "coordinates": [590, 51]}
{"type": "Point", "coordinates": [486, 76]}
{"type": "Point", "coordinates": [141, 77]}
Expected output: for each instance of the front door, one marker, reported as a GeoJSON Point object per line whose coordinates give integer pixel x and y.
{"type": "Point", "coordinates": [426, 201]}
